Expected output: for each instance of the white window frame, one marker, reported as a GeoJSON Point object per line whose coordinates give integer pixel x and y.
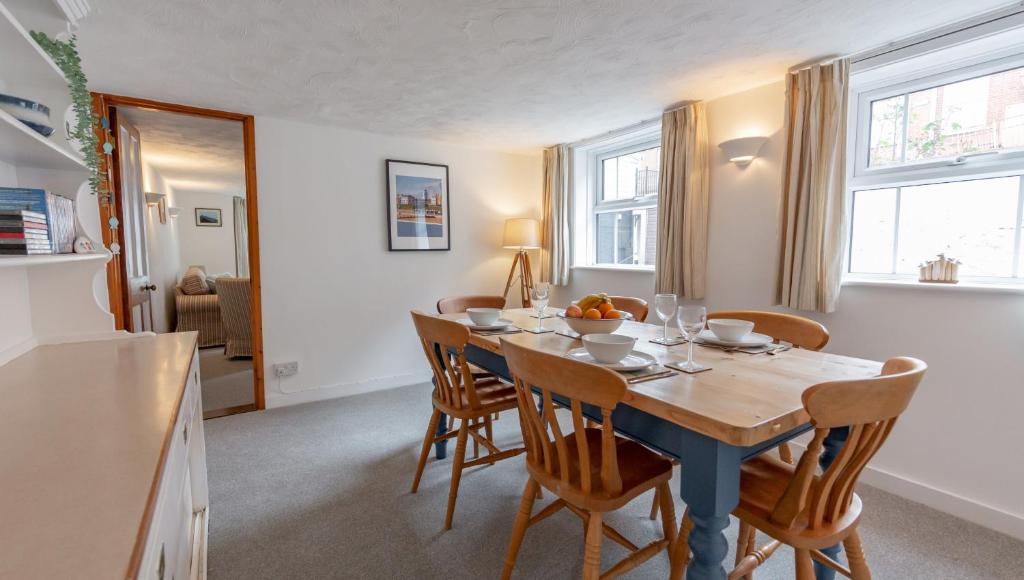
{"type": "Point", "coordinates": [588, 158]}
{"type": "Point", "coordinates": [860, 176]}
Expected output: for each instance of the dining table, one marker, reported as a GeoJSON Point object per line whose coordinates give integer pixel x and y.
{"type": "Point", "coordinates": [710, 421]}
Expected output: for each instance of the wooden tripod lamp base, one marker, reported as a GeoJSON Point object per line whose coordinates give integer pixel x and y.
{"type": "Point", "coordinates": [521, 263]}
{"type": "Point", "coordinates": [521, 234]}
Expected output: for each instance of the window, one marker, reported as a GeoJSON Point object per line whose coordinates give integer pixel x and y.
{"type": "Point", "coordinates": [615, 199]}
{"type": "Point", "coordinates": [626, 211]}
{"type": "Point", "coordinates": [938, 167]}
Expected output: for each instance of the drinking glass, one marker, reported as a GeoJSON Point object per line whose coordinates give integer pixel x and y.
{"type": "Point", "coordinates": [539, 299]}
{"type": "Point", "coordinates": [665, 307]}
{"type": "Point", "coordinates": [691, 320]}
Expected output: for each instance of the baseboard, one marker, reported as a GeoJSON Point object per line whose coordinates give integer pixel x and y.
{"type": "Point", "coordinates": [282, 398]}
{"type": "Point", "coordinates": [962, 507]}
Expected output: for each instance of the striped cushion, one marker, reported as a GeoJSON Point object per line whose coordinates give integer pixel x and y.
{"type": "Point", "coordinates": [194, 282]}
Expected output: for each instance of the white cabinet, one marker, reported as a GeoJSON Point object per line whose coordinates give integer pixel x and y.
{"type": "Point", "coordinates": [176, 542]}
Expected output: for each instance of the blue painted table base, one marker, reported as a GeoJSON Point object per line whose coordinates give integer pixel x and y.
{"type": "Point", "coordinates": [710, 488]}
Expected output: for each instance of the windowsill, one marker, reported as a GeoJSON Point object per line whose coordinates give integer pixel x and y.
{"type": "Point", "coordinates": [631, 269]}
{"type": "Point", "coordinates": [962, 286]}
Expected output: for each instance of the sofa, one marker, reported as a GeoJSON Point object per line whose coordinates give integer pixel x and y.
{"type": "Point", "coordinates": [198, 309]}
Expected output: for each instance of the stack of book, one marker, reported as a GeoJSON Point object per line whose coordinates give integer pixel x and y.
{"type": "Point", "coordinates": [35, 221]}
{"type": "Point", "coordinates": [23, 233]}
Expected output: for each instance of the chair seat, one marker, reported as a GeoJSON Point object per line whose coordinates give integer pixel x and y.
{"type": "Point", "coordinates": [763, 481]}
{"type": "Point", "coordinates": [640, 468]}
{"type": "Point", "coordinates": [494, 396]}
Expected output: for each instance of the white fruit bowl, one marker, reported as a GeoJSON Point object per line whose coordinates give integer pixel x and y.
{"type": "Point", "coordinates": [587, 326]}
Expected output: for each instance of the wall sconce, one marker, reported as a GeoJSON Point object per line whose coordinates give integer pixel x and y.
{"type": "Point", "coordinates": [160, 201]}
{"type": "Point", "coordinates": [173, 212]}
{"type": "Point", "coordinates": [743, 150]}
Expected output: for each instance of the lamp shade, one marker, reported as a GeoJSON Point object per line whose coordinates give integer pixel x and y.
{"type": "Point", "coordinates": [521, 233]}
{"type": "Point", "coordinates": [743, 150]}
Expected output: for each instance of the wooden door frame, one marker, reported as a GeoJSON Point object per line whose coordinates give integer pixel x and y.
{"type": "Point", "coordinates": [105, 106]}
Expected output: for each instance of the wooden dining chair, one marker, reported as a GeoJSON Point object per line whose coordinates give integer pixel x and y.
{"type": "Point", "coordinates": [811, 512]}
{"type": "Point", "coordinates": [635, 306]}
{"type": "Point", "coordinates": [591, 471]}
{"type": "Point", "coordinates": [456, 304]}
{"type": "Point", "coordinates": [460, 395]}
{"type": "Point", "coordinates": [799, 331]}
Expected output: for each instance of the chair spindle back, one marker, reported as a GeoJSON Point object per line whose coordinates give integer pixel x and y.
{"type": "Point", "coordinates": [581, 384]}
{"type": "Point", "coordinates": [869, 407]}
{"type": "Point", "coordinates": [452, 373]}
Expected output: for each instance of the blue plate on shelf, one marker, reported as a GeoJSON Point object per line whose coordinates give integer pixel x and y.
{"type": "Point", "coordinates": [43, 130]}
{"type": "Point", "coordinates": [29, 112]}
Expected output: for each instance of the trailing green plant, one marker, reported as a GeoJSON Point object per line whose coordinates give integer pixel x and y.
{"type": "Point", "coordinates": [65, 55]}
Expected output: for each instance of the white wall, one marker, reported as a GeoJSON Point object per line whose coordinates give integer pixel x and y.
{"type": "Point", "coordinates": [162, 249]}
{"type": "Point", "coordinates": [211, 247]}
{"type": "Point", "coordinates": [334, 298]}
{"type": "Point", "coordinates": [958, 446]}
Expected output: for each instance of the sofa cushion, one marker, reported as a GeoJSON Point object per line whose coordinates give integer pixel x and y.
{"type": "Point", "coordinates": [194, 282]}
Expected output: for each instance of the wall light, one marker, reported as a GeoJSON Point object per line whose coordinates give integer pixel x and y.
{"type": "Point", "coordinates": [173, 212]}
{"type": "Point", "coordinates": [743, 150]}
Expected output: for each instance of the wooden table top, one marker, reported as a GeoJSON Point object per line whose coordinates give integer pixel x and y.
{"type": "Point", "coordinates": [745, 399]}
{"type": "Point", "coordinates": [83, 430]}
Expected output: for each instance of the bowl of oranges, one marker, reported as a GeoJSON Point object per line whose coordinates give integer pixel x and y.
{"type": "Point", "coordinates": [594, 314]}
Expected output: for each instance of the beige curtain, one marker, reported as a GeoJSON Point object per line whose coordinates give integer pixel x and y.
{"type": "Point", "coordinates": [813, 185]}
{"type": "Point", "coordinates": [241, 220]}
{"type": "Point", "coordinates": [683, 203]}
{"type": "Point", "coordinates": [554, 256]}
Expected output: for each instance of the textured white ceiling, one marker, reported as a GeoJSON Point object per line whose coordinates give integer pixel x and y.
{"type": "Point", "coordinates": [191, 153]}
{"type": "Point", "coordinates": [508, 74]}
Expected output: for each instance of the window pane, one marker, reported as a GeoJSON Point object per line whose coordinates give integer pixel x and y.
{"type": "Point", "coordinates": [972, 221]}
{"type": "Point", "coordinates": [626, 237]}
{"type": "Point", "coordinates": [971, 116]}
{"type": "Point", "coordinates": [631, 175]}
{"type": "Point", "coordinates": [886, 132]}
{"type": "Point", "coordinates": [873, 232]}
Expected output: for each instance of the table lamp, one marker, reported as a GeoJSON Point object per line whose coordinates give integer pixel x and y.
{"type": "Point", "coordinates": [521, 234]}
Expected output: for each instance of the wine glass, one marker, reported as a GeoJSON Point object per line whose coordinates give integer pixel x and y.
{"type": "Point", "coordinates": [539, 297]}
{"type": "Point", "coordinates": [665, 307]}
{"type": "Point", "coordinates": [691, 320]}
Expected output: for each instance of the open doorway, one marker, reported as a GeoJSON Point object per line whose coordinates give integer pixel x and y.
{"type": "Point", "coordinates": [184, 199]}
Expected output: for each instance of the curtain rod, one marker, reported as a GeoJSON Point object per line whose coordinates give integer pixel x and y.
{"type": "Point", "coordinates": [921, 38]}
{"type": "Point", "coordinates": [940, 32]}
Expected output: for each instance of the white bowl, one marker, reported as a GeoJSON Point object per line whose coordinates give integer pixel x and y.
{"type": "Point", "coordinates": [586, 326]}
{"type": "Point", "coordinates": [484, 316]}
{"type": "Point", "coordinates": [730, 329]}
{"type": "Point", "coordinates": [608, 348]}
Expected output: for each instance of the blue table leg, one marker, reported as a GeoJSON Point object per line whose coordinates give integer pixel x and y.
{"type": "Point", "coordinates": [831, 446]}
{"type": "Point", "coordinates": [711, 489]}
{"type": "Point", "coordinates": [441, 447]}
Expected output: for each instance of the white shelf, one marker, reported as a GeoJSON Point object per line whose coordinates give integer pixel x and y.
{"type": "Point", "coordinates": [20, 145]}
{"type": "Point", "coordinates": [50, 259]}
{"type": "Point", "coordinates": [26, 71]}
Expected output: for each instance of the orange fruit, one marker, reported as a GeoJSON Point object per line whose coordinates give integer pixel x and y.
{"type": "Point", "coordinates": [606, 308]}
{"type": "Point", "coordinates": [574, 311]}
{"type": "Point", "coordinates": [592, 314]}
{"type": "Point", "coordinates": [613, 314]}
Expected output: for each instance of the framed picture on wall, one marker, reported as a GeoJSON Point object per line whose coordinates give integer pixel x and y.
{"type": "Point", "coordinates": [418, 213]}
{"type": "Point", "coordinates": [208, 217]}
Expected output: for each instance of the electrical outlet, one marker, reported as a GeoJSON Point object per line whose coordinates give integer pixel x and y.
{"type": "Point", "coordinates": [286, 369]}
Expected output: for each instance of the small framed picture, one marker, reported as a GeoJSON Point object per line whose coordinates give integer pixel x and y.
{"type": "Point", "coordinates": [418, 212]}
{"type": "Point", "coordinates": [208, 217]}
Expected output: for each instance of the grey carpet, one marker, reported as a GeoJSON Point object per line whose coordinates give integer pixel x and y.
{"type": "Point", "coordinates": [321, 490]}
{"type": "Point", "coordinates": [226, 382]}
